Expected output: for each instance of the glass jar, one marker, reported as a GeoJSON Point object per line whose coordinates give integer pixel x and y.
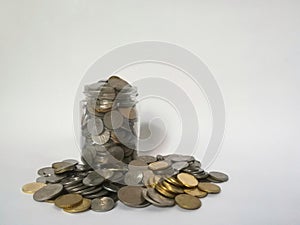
{"type": "Point", "coordinates": [109, 125]}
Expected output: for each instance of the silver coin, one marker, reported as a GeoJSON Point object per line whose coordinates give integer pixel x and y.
{"type": "Point", "coordinates": [41, 180]}
{"type": "Point", "coordinates": [95, 126]}
{"type": "Point", "coordinates": [55, 178]}
{"type": "Point", "coordinates": [218, 176]}
{"type": "Point", "coordinates": [97, 195]}
{"type": "Point", "coordinates": [153, 194]}
{"type": "Point", "coordinates": [90, 192]}
{"type": "Point", "coordinates": [69, 181]}
{"type": "Point", "coordinates": [105, 173]}
{"type": "Point", "coordinates": [150, 200]}
{"type": "Point", "coordinates": [133, 178]}
{"type": "Point", "coordinates": [46, 171]}
{"type": "Point", "coordinates": [48, 192]}
{"type": "Point", "coordinates": [102, 204]}
{"type": "Point", "coordinates": [118, 176]}
{"type": "Point", "coordinates": [82, 168]}
{"type": "Point", "coordinates": [113, 120]}
{"type": "Point", "coordinates": [93, 179]}
{"type": "Point", "coordinates": [117, 152]}
{"type": "Point", "coordinates": [102, 138]}
{"type": "Point", "coordinates": [81, 187]}
{"type": "Point", "coordinates": [180, 165]}
{"type": "Point", "coordinates": [109, 186]}
{"type": "Point", "coordinates": [147, 158]}
{"type": "Point", "coordinates": [83, 190]}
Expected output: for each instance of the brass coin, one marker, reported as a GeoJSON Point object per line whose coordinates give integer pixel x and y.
{"type": "Point", "coordinates": [186, 201]}
{"type": "Point", "coordinates": [31, 188]}
{"type": "Point", "coordinates": [187, 180]}
{"type": "Point", "coordinates": [85, 205]}
{"type": "Point", "coordinates": [209, 187]}
{"type": "Point", "coordinates": [159, 165]}
{"type": "Point", "coordinates": [153, 180]}
{"type": "Point", "coordinates": [68, 200]}
{"type": "Point", "coordinates": [174, 181]}
{"type": "Point", "coordinates": [195, 192]}
{"type": "Point", "coordinates": [163, 191]}
{"type": "Point", "coordinates": [131, 196]}
{"type": "Point", "coordinates": [172, 188]}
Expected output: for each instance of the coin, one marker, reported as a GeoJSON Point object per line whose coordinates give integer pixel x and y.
{"type": "Point", "coordinates": [138, 165]}
{"type": "Point", "coordinates": [133, 178]}
{"type": "Point", "coordinates": [117, 152]}
{"type": "Point", "coordinates": [105, 173]}
{"type": "Point", "coordinates": [93, 179]}
{"type": "Point", "coordinates": [163, 191]}
{"type": "Point", "coordinates": [109, 186]}
{"type": "Point", "coordinates": [117, 83]}
{"type": "Point", "coordinates": [47, 171]}
{"type": "Point", "coordinates": [153, 180]}
{"type": "Point", "coordinates": [68, 200]}
{"type": "Point", "coordinates": [153, 194]}
{"type": "Point", "coordinates": [159, 165]}
{"type": "Point", "coordinates": [85, 205]}
{"type": "Point", "coordinates": [69, 181]}
{"type": "Point", "coordinates": [97, 195]}
{"type": "Point", "coordinates": [195, 192]}
{"type": "Point", "coordinates": [31, 188]}
{"type": "Point", "coordinates": [102, 138]}
{"type": "Point", "coordinates": [129, 113]}
{"type": "Point", "coordinates": [180, 165]}
{"type": "Point", "coordinates": [131, 196]}
{"type": "Point", "coordinates": [48, 192]}
{"type": "Point", "coordinates": [95, 126]}
{"type": "Point", "coordinates": [146, 158]}
{"type": "Point", "coordinates": [172, 188]}
{"type": "Point", "coordinates": [93, 191]}
{"type": "Point", "coordinates": [71, 161]}
{"type": "Point", "coordinates": [218, 176]}
{"type": "Point", "coordinates": [209, 187]}
{"type": "Point", "coordinates": [113, 120]}
{"type": "Point", "coordinates": [186, 201]}
{"type": "Point", "coordinates": [187, 180]}
{"type": "Point", "coordinates": [102, 204]}
{"type": "Point", "coordinates": [174, 181]}
{"type": "Point", "coordinates": [41, 180]}
{"type": "Point", "coordinates": [54, 178]}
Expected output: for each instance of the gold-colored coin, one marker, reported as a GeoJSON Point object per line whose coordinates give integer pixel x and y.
{"type": "Point", "coordinates": [31, 188]}
{"type": "Point", "coordinates": [68, 200]}
{"type": "Point", "coordinates": [186, 201]}
{"type": "Point", "coordinates": [187, 180]}
{"type": "Point", "coordinates": [172, 188]}
{"type": "Point", "coordinates": [174, 181]}
{"type": "Point", "coordinates": [164, 192]}
{"type": "Point", "coordinates": [85, 205]}
{"type": "Point", "coordinates": [209, 187]}
{"type": "Point", "coordinates": [195, 192]}
{"type": "Point", "coordinates": [159, 165]}
{"type": "Point", "coordinates": [153, 180]}
{"type": "Point", "coordinates": [50, 201]}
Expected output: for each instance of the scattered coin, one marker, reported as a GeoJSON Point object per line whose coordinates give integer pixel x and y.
{"type": "Point", "coordinates": [31, 188]}
{"type": "Point", "coordinates": [209, 187]}
{"type": "Point", "coordinates": [84, 206]}
{"type": "Point", "coordinates": [102, 204]}
{"type": "Point", "coordinates": [186, 201]}
{"type": "Point", "coordinates": [187, 180]}
{"type": "Point", "coordinates": [131, 196]}
{"type": "Point", "coordinates": [164, 191]}
{"type": "Point", "coordinates": [93, 179]}
{"type": "Point", "coordinates": [147, 158]}
{"type": "Point", "coordinates": [195, 192]}
{"type": "Point", "coordinates": [68, 201]}
{"type": "Point", "coordinates": [153, 194]}
{"type": "Point", "coordinates": [218, 176]}
{"type": "Point", "coordinates": [48, 192]}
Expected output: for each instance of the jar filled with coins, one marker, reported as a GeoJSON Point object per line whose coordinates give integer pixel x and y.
{"type": "Point", "coordinates": [109, 125]}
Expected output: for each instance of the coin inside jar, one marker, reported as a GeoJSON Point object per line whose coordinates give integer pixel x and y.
{"type": "Point", "coordinates": [113, 120]}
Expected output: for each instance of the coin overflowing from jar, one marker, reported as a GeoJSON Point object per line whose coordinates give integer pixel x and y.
{"type": "Point", "coordinates": [161, 181]}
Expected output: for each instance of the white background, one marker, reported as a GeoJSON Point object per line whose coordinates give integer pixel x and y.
{"type": "Point", "coordinates": [251, 47]}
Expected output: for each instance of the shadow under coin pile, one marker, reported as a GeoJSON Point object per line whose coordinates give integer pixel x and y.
{"type": "Point", "coordinates": [161, 181]}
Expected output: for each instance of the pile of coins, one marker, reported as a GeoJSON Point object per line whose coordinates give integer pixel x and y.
{"type": "Point", "coordinates": [162, 181]}
{"type": "Point", "coordinates": [109, 123]}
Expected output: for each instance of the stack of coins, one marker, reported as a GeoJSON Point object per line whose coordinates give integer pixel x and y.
{"type": "Point", "coordinates": [109, 123]}
{"type": "Point", "coordinates": [161, 181]}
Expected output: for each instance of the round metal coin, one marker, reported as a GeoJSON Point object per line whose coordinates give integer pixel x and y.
{"type": "Point", "coordinates": [31, 188]}
{"type": "Point", "coordinates": [102, 204]}
{"type": "Point", "coordinates": [186, 201]}
{"type": "Point", "coordinates": [48, 192]}
{"type": "Point", "coordinates": [68, 201]}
